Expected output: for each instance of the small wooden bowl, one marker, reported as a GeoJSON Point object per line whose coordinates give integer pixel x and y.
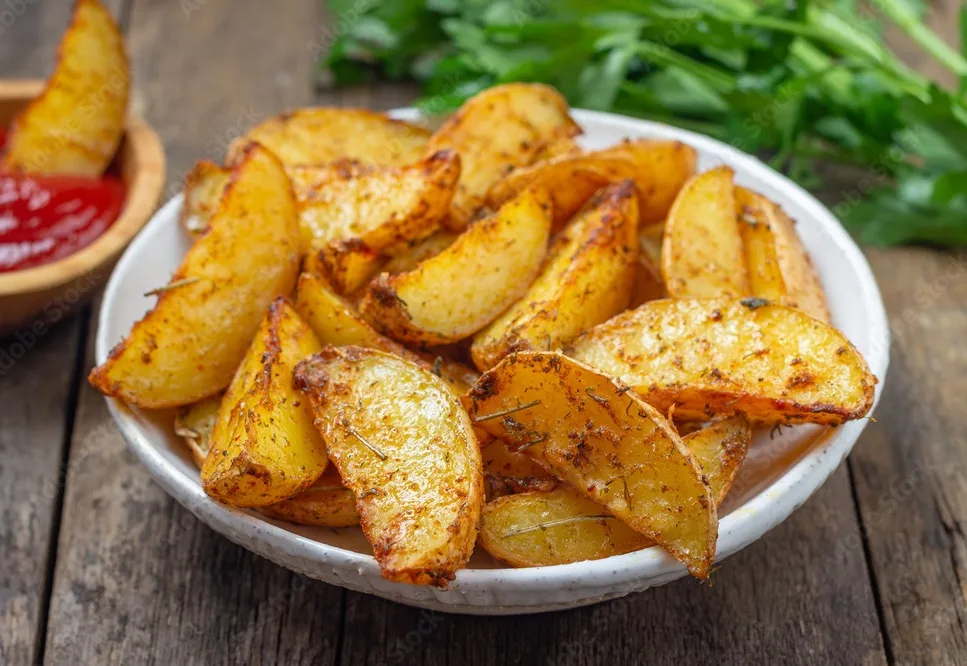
{"type": "Point", "coordinates": [36, 297]}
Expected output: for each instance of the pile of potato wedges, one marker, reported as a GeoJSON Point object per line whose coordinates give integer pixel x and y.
{"type": "Point", "coordinates": [352, 275]}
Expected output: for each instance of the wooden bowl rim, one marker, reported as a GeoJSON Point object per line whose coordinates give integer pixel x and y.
{"type": "Point", "coordinates": [143, 193]}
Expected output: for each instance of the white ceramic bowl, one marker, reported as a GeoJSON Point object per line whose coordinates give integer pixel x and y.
{"type": "Point", "coordinates": [779, 475]}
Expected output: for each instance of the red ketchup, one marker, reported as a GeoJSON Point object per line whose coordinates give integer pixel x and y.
{"type": "Point", "coordinates": [46, 218]}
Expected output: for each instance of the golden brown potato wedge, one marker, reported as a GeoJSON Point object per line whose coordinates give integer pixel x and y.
{"type": "Point", "coordinates": [702, 250]}
{"type": "Point", "coordinates": [603, 440]}
{"type": "Point", "coordinates": [418, 252]}
{"type": "Point", "coordinates": [462, 289]}
{"type": "Point", "coordinates": [496, 130]}
{"type": "Point", "coordinates": [779, 267]}
{"type": "Point", "coordinates": [346, 265]}
{"type": "Point", "coordinates": [264, 448]}
{"type": "Point", "coordinates": [544, 528]}
{"type": "Point", "coordinates": [406, 448]}
{"type": "Point", "coordinates": [189, 346]}
{"type": "Point", "coordinates": [75, 125]}
{"type": "Point", "coordinates": [720, 448]}
{"type": "Point", "coordinates": [649, 285]}
{"type": "Point", "coordinates": [587, 279]}
{"type": "Point", "coordinates": [316, 136]}
{"type": "Point", "coordinates": [556, 148]}
{"type": "Point", "coordinates": [507, 472]}
{"type": "Point", "coordinates": [203, 189]}
{"type": "Point", "coordinates": [659, 169]}
{"type": "Point", "coordinates": [326, 503]}
{"type": "Point", "coordinates": [194, 424]}
{"type": "Point", "coordinates": [711, 358]}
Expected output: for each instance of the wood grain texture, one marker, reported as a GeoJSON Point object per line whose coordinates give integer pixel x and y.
{"type": "Point", "coordinates": [138, 578]}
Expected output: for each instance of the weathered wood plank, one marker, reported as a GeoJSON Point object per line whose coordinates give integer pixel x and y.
{"type": "Point", "coordinates": [138, 579]}
{"type": "Point", "coordinates": [36, 373]}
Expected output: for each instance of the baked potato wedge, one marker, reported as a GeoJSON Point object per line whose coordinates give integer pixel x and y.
{"type": "Point", "coordinates": [496, 130]}
{"type": "Point", "coordinates": [326, 503]}
{"type": "Point", "coordinates": [702, 254]}
{"type": "Point", "coordinates": [75, 125]}
{"type": "Point", "coordinates": [405, 447]}
{"type": "Point", "coordinates": [190, 344]}
{"type": "Point", "coordinates": [420, 251]}
{"type": "Point", "coordinates": [587, 278]}
{"type": "Point", "coordinates": [203, 189]}
{"type": "Point", "coordinates": [346, 265]}
{"type": "Point", "coordinates": [659, 169]}
{"type": "Point", "coordinates": [649, 285]}
{"type": "Point", "coordinates": [707, 358]}
{"type": "Point", "coordinates": [462, 289]}
{"type": "Point", "coordinates": [319, 135]}
{"type": "Point", "coordinates": [720, 448]}
{"type": "Point", "coordinates": [507, 472]}
{"type": "Point", "coordinates": [603, 440]}
{"type": "Point", "coordinates": [779, 267]}
{"type": "Point", "coordinates": [194, 424]}
{"type": "Point", "coordinates": [264, 448]}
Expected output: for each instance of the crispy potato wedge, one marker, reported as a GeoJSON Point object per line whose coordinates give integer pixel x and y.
{"type": "Point", "coordinates": [203, 189]}
{"type": "Point", "coordinates": [711, 358]}
{"type": "Point", "coordinates": [496, 130]}
{"type": "Point", "coordinates": [462, 289]}
{"type": "Point", "coordinates": [702, 253]}
{"type": "Point", "coordinates": [544, 528]}
{"type": "Point", "coordinates": [547, 528]}
{"type": "Point", "coordinates": [649, 285]}
{"type": "Point", "coordinates": [406, 448]}
{"type": "Point", "coordinates": [385, 208]}
{"type": "Point", "coordinates": [319, 135]}
{"type": "Point", "coordinates": [346, 265]}
{"type": "Point", "coordinates": [326, 503]}
{"type": "Point", "coordinates": [587, 279]}
{"type": "Point", "coordinates": [608, 444]}
{"type": "Point", "coordinates": [420, 251]}
{"type": "Point", "coordinates": [75, 125]}
{"type": "Point", "coordinates": [507, 472]}
{"type": "Point", "coordinates": [659, 169]}
{"type": "Point", "coordinates": [189, 346]}
{"type": "Point", "coordinates": [335, 322]}
{"type": "Point", "coordinates": [779, 267]}
{"type": "Point", "coordinates": [264, 448]}
{"type": "Point", "coordinates": [194, 424]}
{"type": "Point", "coordinates": [564, 145]}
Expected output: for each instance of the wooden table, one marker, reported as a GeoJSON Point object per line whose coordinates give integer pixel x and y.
{"type": "Point", "coordinates": [99, 566]}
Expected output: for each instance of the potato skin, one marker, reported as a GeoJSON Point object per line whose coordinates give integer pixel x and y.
{"type": "Point", "coordinates": [779, 266]}
{"type": "Point", "coordinates": [500, 128]}
{"type": "Point", "coordinates": [318, 135]}
{"type": "Point", "coordinates": [75, 125]}
{"type": "Point", "coordinates": [600, 438]}
{"type": "Point", "coordinates": [204, 186]}
{"type": "Point", "coordinates": [701, 253]}
{"type": "Point", "coordinates": [459, 291]}
{"type": "Point", "coordinates": [587, 278]}
{"type": "Point", "coordinates": [709, 358]}
{"type": "Point", "coordinates": [264, 448]}
{"type": "Point", "coordinates": [190, 344]}
{"type": "Point", "coordinates": [326, 503]}
{"type": "Point", "coordinates": [507, 472]}
{"type": "Point", "coordinates": [406, 448]}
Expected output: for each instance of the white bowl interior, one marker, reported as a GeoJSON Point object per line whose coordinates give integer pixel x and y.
{"type": "Point", "coordinates": [781, 471]}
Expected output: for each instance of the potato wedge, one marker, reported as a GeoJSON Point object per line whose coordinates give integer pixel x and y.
{"type": "Point", "coordinates": [462, 289]}
{"type": "Point", "coordinates": [603, 440]}
{"type": "Point", "coordinates": [264, 448]}
{"type": "Point", "coordinates": [649, 285]}
{"type": "Point", "coordinates": [75, 125]}
{"type": "Point", "coordinates": [565, 145]}
{"type": "Point", "coordinates": [779, 267]}
{"type": "Point", "coordinates": [507, 472]}
{"type": "Point", "coordinates": [203, 189]}
{"type": "Point", "coordinates": [346, 265]}
{"type": "Point", "coordinates": [711, 358]}
{"type": "Point", "coordinates": [659, 170]}
{"type": "Point", "coordinates": [326, 503]}
{"type": "Point", "coordinates": [335, 322]}
{"type": "Point", "coordinates": [702, 253]}
{"type": "Point", "coordinates": [587, 279]}
{"type": "Point", "coordinates": [545, 528]}
{"type": "Point", "coordinates": [319, 135]}
{"type": "Point", "coordinates": [385, 208]}
{"type": "Point", "coordinates": [420, 251]}
{"type": "Point", "coordinates": [406, 448]}
{"type": "Point", "coordinates": [189, 346]}
{"type": "Point", "coordinates": [496, 130]}
{"type": "Point", "coordinates": [194, 424]}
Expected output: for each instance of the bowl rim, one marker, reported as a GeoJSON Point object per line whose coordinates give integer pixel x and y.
{"type": "Point", "coordinates": [760, 514]}
{"type": "Point", "coordinates": [140, 203]}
